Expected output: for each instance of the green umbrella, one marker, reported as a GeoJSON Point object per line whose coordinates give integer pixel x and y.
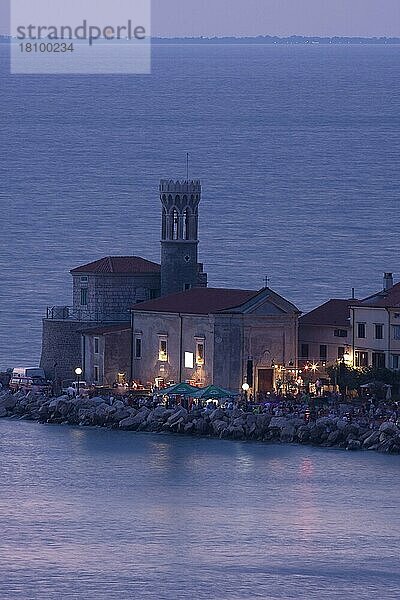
{"type": "Point", "coordinates": [180, 389]}
{"type": "Point", "coordinates": [214, 392]}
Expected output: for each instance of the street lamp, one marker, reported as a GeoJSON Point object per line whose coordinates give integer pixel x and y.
{"type": "Point", "coordinates": [78, 373]}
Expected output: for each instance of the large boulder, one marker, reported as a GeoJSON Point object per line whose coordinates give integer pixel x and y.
{"type": "Point", "coordinates": [389, 428]}
{"type": "Point", "coordinates": [371, 440]}
{"type": "Point", "coordinates": [217, 414]}
{"type": "Point", "coordinates": [177, 415]}
{"type": "Point", "coordinates": [8, 401]}
{"type": "Point", "coordinates": [135, 420]}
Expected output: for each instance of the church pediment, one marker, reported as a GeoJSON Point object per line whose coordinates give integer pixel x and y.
{"type": "Point", "coordinates": [267, 303]}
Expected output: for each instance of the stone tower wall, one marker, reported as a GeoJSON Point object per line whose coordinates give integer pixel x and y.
{"type": "Point", "coordinates": [61, 344]}
{"type": "Point", "coordinates": [179, 236]}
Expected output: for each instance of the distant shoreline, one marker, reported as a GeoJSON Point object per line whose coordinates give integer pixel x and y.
{"type": "Point", "coordinates": [272, 40]}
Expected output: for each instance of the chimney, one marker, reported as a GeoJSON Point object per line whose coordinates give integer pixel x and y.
{"type": "Point", "coordinates": [387, 281]}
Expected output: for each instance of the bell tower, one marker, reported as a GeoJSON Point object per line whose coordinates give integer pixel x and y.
{"type": "Point", "coordinates": [179, 236]}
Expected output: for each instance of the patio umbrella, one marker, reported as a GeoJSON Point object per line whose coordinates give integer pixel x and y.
{"type": "Point", "coordinates": [180, 389]}
{"type": "Point", "coordinates": [214, 392]}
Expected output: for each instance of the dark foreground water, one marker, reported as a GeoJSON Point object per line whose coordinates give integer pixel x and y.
{"type": "Point", "coordinates": [298, 148]}
{"type": "Point", "coordinates": [92, 514]}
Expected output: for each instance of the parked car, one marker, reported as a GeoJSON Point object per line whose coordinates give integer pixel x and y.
{"type": "Point", "coordinates": [19, 372]}
{"type": "Point", "coordinates": [34, 384]}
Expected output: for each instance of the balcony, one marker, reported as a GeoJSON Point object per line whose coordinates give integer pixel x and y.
{"type": "Point", "coordinates": [68, 313]}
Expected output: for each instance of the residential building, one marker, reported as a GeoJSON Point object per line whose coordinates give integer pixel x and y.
{"type": "Point", "coordinates": [325, 334]}
{"type": "Point", "coordinates": [375, 325]}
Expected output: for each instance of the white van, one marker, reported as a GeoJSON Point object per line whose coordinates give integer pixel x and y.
{"type": "Point", "coordinates": [21, 372]}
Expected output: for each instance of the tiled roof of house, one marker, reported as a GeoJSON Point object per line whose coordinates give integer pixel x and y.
{"type": "Point", "coordinates": [120, 265]}
{"type": "Point", "coordinates": [102, 330]}
{"type": "Point", "coordinates": [385, 299]}
{"type": "Point", "coordinates": [199, 301]}
{"type": "Point", "coordinates": [335, 313]}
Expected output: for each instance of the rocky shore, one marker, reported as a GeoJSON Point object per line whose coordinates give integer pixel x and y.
{"type": "Point", "coordinates": [220, 423]}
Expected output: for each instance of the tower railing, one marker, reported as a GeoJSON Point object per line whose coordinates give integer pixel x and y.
{"type": "Point", "coordinates": [68, 313]}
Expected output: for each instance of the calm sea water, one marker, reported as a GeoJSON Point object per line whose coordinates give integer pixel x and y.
{"type": "Point", "coordinates": [107, 515]}
{"type": "Point", "coordinates": [298, 149]}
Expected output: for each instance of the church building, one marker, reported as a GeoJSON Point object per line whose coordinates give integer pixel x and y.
{"type": "Point", "coordinates": [133, 319]}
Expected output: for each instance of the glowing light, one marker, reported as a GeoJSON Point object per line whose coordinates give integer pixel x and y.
{"type": "Point", "coordinates": [245, 387]}
{"type": "Point", "coordinates": [78, 371]}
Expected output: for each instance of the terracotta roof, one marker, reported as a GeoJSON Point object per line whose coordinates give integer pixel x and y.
{"type": "Point", "coordinates": [106, 329]}
{"type": "Point", "coordinates": [199, 301]}
{"type": "Point", "coordinates": [121, 265]}
{"type": "Point", "coordinates": [385, 299]}
{"type": "Point", "coordinates": [334, 313]}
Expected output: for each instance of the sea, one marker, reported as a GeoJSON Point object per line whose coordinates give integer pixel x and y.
{"type": "Point", "coordinates": [297, 148]}
{"type": "Point", "coordinates": [298, 151]}
{"type": "Point", "coordinates": [108, 515]}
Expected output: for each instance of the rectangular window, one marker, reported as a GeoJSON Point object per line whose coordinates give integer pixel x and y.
{"type": "Point", "coordinates": [361, 359]}
{"type": "Point", "coordinates": [304, 351]}
{"type": "Point", "coordinates": [186, 287]}
{"type": "Point", "coordinates": [96, 345]}
{"type": "Point", "coordinates": [323, 352]}
{"type": "Point", "coordinates": [84, 279]}
{"type": "Point", "coordinates": [378, 331]}
{"type": "Point", "coordinates": [340, 352]}
{"type": "Point", "coordinates": [162, 349]}
{"type": "Point", "coordinates": [96, 374]}
{"type": "Point", "coordinates": [138, 347]}
{"type": "Point", "coordinates": [396, 332]}
{"type": "Point", "coordinates": [396, 361]}
{"type": "Point", "coordinates": [189, 360]}
{"type": "Point", "coordinates": [340, 333]}
{"type": "Point", "coordinates": [200, 353]}
{"type": "Point", "coordinates": [84, 297]}
{"type": "Point", "coordinates": [361, 330]}
{"type": "Point", "coordinates": [378, 360]}
{"type": "Point", "coordinates": [154, 294]}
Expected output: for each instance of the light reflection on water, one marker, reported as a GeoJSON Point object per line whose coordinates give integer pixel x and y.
{"type": "Point", "coordinates": [88, 513]}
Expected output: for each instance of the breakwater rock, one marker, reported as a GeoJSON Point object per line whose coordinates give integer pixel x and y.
{"type": "Point", "coordinates": [221, 423]}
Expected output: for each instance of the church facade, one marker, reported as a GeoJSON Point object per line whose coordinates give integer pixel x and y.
{"type": "Point", "coordinates": [133, 319]}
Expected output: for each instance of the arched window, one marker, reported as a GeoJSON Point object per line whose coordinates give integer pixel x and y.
{"type": "Point", "coordinates": [164, 224]}
{"type": "Point", "coordinates": [186, 225]}
{"type": "Point", "coordinates": [175, 224]}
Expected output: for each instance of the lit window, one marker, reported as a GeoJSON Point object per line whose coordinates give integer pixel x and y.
{"type": "Point", "coordinates": [189, 360]}
{"type": "Point", "coordinates": [361, 330]}
{"type": "Point", "coordinates": [361, 359]}
{"type": "Point", "coordinates": [96, 345]}
{"type": "Point", "coordinates": [84, 297]}
{"type": "Point", "coordinates": [138, 347]}
{"type": "Point", "coordinates": [378, 331]}
{"type": "Point", "coordinates": [162, 349]}
{"type": "Point", "coordinates": [200, 353]}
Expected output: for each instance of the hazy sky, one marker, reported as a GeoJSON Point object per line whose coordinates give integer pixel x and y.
{"type": "Point", "coordinates": [261, 17]}
{"type": "Point", "coordinates": [276, 17]}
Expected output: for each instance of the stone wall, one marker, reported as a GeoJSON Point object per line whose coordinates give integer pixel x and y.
{"type": "Point", "coordinates": [113, 294]}
{"type": "Point", "coordinates": [61, 344]}
{"type": "Point", "coordinates": [150, 326]}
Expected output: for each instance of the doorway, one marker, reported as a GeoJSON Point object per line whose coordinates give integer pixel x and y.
{"type": "Point", "coordinates": [265, 380]}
